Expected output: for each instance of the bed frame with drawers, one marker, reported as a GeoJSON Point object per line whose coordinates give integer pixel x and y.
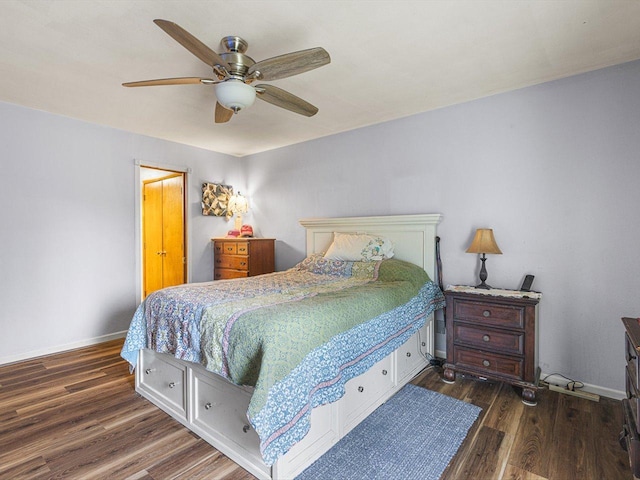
{"type": "Point", "coordinates": [215, 409]}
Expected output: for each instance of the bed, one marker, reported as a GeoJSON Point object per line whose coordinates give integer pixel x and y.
{"type": "Point", "coordinates": [275, 407]}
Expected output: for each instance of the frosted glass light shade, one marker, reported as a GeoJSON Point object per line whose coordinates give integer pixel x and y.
{"type": "Point", "coordinates": [235, 94]}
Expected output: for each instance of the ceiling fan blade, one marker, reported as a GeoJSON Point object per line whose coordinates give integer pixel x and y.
{"type": "Point", "coordinates": [171, 81]}
{"type": "Point", "coordinates": [191, 43]}
{"type": "Point", "coordinates": [290, 64]}
{"type": "Point", "coordinates": [223, 115]}
{"type": "Point", "coordinates": [281, 98]}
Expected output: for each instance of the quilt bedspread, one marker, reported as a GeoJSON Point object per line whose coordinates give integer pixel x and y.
{"type": "Point", "coordinates": [297, 336]}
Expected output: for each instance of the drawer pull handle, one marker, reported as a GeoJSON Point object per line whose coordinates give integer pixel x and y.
{"type": "Point", "coordinates": [384, 372]}
{"type": "Point", "coordinates": [243, 264]}
{"type": "Point", "coordinates": [246, 428]}
{"type": "Point", "coordinates": [172, 384]}
{"type": "Point", "coordinates": [486, 313]}
{"type": "Point", "coordinates": [361, 389]}
{"type": "Point", "coordinates": [148, 371]}
{"type": "Point", "coordinates": [207, 406]}
{"type": "Point", "coordinates": [486, 363]}
{"type": "Point", "coordinates": [230, 249]}
{"type": "Point", "coordinates": [408, 354]}
{"type": "Point", "coordinates": [486, 338]}
{"type": "Point", "coordinates": [424, 344]}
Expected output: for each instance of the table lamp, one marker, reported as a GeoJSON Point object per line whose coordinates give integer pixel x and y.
{"type": "Point", "coordinates": [484, 243]}
{"type": "Point", "coordinates": [238, 204]}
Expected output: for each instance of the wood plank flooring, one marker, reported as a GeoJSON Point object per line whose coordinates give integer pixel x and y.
{"type": "Point", "coordinates": [75, 415]}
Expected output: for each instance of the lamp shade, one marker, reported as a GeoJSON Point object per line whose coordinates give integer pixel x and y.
{"type": "Point", "coordinates": [484, 242]}
{"type": "Point", "coordinates": [238, 204]}
{"type": "Point", "coordinates": [235, 94]}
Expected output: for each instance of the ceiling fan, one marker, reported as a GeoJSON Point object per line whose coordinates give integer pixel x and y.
{"type": "Point", "coordinates": [235, 72]}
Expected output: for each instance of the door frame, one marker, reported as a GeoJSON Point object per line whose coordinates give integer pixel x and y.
{"type": "Point", "coordinates": [186, 171]}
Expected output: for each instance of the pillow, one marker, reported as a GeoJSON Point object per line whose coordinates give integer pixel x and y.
{"type": "Point", "coordinates": [317, 263]}
{"type": "Point", "coordinates": [359, 247]}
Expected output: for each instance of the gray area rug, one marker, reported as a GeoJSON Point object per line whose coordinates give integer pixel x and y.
{"type": "Point", "coordinates": [412, 436]}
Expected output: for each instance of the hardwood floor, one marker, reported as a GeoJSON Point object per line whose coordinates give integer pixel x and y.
{"type": "Point", "coordinates": [75, 415]}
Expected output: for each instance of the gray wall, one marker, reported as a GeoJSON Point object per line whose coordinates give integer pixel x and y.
{"type": "Point", "coordinates": [554, 169]}
{"type": "Point", "coordinates": [67, 247]}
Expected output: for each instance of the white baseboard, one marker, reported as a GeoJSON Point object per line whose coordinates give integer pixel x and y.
{"type": "Point", "coordinates": [598, 390]}
{"type": "Point", "coordinates": [62, 348]}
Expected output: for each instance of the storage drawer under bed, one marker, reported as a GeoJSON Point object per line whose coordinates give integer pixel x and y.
{"type": "Point", "coordinates": [221, 408]}
{"type": "Point", "coordinates": [165, 379]}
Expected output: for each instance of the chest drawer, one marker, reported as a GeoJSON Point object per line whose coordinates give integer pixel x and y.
{"type": "Point", "coordinates": [502, 341]}
{"type": "Point", "coordinates": [488, 313]}
{"type": "Point", "coordinates": [236, 262]}
{"type": "Point", "coordinates": [228, 273]}
{"type": "Point", "coordinates": [490, 363]}
{"type": "Point", "coordinates": [231, 247]}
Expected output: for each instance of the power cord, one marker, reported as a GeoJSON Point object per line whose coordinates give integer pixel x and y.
{"type": "Point", "coordinates": [572, 385]}
{"type": "Point", "coordinates": [433, 361]}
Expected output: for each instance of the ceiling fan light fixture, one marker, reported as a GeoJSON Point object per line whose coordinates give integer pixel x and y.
{"type": "Point", "coordinates": [235, 95]}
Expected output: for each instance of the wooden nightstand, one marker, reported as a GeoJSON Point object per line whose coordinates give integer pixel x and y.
{"type": "Point", "coordinates": [492, 334]}
{"type": "Point", "coordinates": [242, 257]}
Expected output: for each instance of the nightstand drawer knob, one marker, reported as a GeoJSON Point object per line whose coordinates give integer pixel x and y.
{"type": "Point", "coordinates": [384, 372]}
{"type": "Point", "coordinates": [361, 389]}
{"type": "Point", "coordinates": [486, 363]}
{"type": "Point", "coordinates": [486, 313]}
{"type": "Point", "coordinates": [408, 354]}
{"type": "Point", "coordinates": [486, 338]}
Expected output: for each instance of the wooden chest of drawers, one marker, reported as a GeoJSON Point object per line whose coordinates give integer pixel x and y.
{"type": "Point", "coordinates": [629, 438]}
{"type": "Point", "coordinates": [493, 337]}
{"type": "Point", "coordinates": [242, 257]}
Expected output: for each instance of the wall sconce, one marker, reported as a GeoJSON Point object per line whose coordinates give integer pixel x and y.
{"type": "Point", "coordinates": [238, 205]}
{"type": "Point", "coordinates": [484, 243]}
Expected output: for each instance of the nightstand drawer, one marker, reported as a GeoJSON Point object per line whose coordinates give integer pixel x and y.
{"type": "Point", "coordinates": [488, 313]}
{"type": "Point", "coordinates": [236, 262]}
{"type": "Point", "coordinates": [488, 339]}
{"type": "Point", "coordinates": [489, 362]}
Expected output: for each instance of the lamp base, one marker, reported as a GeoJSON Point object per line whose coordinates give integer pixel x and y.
{"type": "Point", "coordinates": [483, 274]}
{"type": "Point", "coordinates": [238, 223]}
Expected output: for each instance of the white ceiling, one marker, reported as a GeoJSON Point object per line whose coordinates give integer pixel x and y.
{"type": "Point", "coordinates": [389, 59]}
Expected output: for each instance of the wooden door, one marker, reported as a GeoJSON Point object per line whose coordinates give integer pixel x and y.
{"type": "Point", "coordinates": [172, 232]}
{"type": "Point", "coordinates": [163, 233]}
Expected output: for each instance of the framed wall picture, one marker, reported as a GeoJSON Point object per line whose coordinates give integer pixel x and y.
{"type": "Point", "coordinates": [215, 199]}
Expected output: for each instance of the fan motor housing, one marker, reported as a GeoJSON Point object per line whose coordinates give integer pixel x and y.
{"type": "Point", "coordinates": [238, 62]}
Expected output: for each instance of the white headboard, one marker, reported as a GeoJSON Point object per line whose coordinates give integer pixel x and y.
{"type": "Point", "coordinates": [413, 236]}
